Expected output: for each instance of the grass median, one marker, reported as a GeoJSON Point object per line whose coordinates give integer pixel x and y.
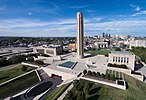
{"type": "Point", "coordinates": [54, 95]}
{"type": "Point", "coordinates": [13, 72]}
{"type": "Point", "coordinates": [17, 85]}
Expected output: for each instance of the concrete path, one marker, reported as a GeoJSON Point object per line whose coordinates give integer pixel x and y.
{"type": "Point", "coordinates": [66, 91]}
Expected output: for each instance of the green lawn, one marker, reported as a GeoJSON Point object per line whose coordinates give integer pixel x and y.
{"type": "Point", "coordinates": [57, 92]}
{"type": "Point", "coordinates": [136, 91]}
{"type": "Point", "coordinates": [96, 52]}
{"type": "Point", "coordinates": [18, 85]}
{"type": "Point", "coordinates": [13, 72]}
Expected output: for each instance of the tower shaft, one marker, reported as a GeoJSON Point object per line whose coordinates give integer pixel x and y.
{"type": "Point", "coordinates": [80, 36]}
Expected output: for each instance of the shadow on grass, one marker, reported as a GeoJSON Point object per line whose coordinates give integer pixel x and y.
{"type": "Point", "coordinates": [126, 85]}
{"type": "Point", "coordinates": [94, 90]}
{"type": "Point", "coordinates": [93, 97]}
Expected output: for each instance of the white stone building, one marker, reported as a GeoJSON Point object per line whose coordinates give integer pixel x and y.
{"type": "Point", "coordinates": [50, 50]}
{"type": "Point", "coordinates": [137, 43]}
{"type": "Point", "coordinates": [101, 45]}
{"type": "Point", "coordinates": [122, 58]}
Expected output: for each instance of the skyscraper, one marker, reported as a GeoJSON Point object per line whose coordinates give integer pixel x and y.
{"type": "Point", "coordinates": [80, 36]}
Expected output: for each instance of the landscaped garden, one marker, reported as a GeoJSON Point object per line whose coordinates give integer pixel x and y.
{"type": "Point", "coordinates": [13, 72]}
{"type": "Point", "coordinates": [109, 76]}
{"type": "Point", "coordinates": [100, 52]}
{"type": "Point", "coordinates": [86, 90]}
{"type": "Point", "coordinates": [54, 95]}
{"type": "Point", "coordinates": [18, 85]}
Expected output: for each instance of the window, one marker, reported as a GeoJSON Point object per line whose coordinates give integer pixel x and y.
{"type": "Point", "coordinates": [40, 50]}
{"type": "Point", "coordinates": [113, 59]}
{"type": "Point", "coordinates": [127, 60]}
{"type": "Point", "coordinates": [116, 59]}
{"type": "Point", "coordinates": [119, 59]}
{"type": "Point", "coordinates": [124, 59]}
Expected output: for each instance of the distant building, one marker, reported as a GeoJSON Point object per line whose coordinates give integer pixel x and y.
{"type": "Point", "coordinates": [140, 42]}
{"type": "Point", "coordinates": [122, 58]}
{"type": "Point", "coordinates": [72, 46]}
{"type": "Point", "coordinates": [5, 52]}
{"type": "Point", "coordinates": [50, 50]}
{"type": "Point", "coordinates": [101, 45]}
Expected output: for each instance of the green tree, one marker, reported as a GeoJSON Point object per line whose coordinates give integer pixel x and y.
{"type": "Point", "coordinates": [81, 96]}
{"type": "Point", "coordinates": [97, 74]}
{"type": "Point", "coordinates": [85, 71]}
{"type": "Point", "coordinates": [86, 88]}
{"type": "Point", "coordinates": [24, 68]}
{"type": "Point", "coordinates": [30, 58]}
{"type": "Point", "coordinates": [76, 84]}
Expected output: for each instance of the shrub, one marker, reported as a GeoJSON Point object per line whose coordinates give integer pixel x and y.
{"type": "Point", "coordinates": [97, 74]}
{"type": "Point", "coordinates": [39, 62]}
{"type": "Point", "coordinates": [89, 72]}
{"type": "Point", "coordinates": [85, 72]}
{"type": "Point", "coordinates": [30, 58]}
{"type": "Point", "coordinates": [102, 75]}
{"type": "Point", "coordinates": [24, 68]}
{"type": "Point", "coordinates": [93, 73]}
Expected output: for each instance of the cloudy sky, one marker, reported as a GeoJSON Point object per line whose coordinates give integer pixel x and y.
{"type": "Point", "coordinates": [55, 18]}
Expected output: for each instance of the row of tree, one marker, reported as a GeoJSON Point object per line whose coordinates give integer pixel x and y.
{"type": "Point", "coordinates": [98, 75]}
{"type": "Point", "coordinates": [18, 59]}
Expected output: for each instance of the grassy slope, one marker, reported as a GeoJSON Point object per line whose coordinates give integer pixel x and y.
{"type": "Point", "coordinates": [11, 73]}
{"type": "Point", "coordinates": [57, 92]}
{"type": "Point", "coordinates": [18, 85]}
{"type": "Point", "coordinates": [136, 91]}
{"type": "Point", "coordinates": [102, 52]}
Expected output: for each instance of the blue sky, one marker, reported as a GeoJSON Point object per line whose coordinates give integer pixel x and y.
{"type": "Point", "coordinates": [49, 18]}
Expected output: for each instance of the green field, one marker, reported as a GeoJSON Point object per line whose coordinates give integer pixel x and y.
{"type": "Point", "coordinates": [13, 72]}
{"type": "Point", "coordinates": [18, 85]}
{"type": "Point", "coordinates": [96, 52]}
{"type": "Point", "coordinates": [136, 91]}
{"type": "Point", "coordinates": [57, 92]}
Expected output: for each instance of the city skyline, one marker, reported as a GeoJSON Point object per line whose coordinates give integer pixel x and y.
{"type": "Point", "coordinates": [56, 18]}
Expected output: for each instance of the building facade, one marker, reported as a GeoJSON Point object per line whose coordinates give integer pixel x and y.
{"type": "Point", "coordinates": [72, 46]}
{"type": "Point", "coordinates": [137, 43]}
{"type": "Point", "coordinates": [52, 51]}
{"type": "Point", "coordinates": [101, 45]}
{"type": "Point", "coordinates": [122, 58]}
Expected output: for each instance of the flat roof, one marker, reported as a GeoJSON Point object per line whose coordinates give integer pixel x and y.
{"type": "Point", "coordinates": [122, 52]}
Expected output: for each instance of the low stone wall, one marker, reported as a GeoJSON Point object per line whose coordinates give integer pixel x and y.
{"type": "Point", "coordinates": [139, 77]}
{"type": "Point", "coordinates": [126, 71]}
{"type": "Point", "coordinates": [106, 83]}
{"type": "Point", "coordinates": [65, 76]}
{"type": "Point", "coordinates": [29, 64]}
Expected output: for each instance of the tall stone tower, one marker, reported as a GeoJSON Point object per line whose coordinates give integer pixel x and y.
{"type": "Point", "coordinates": [80, 36]}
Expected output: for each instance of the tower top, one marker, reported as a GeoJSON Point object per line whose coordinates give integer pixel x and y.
{"type": "Point", "coordinates": [79, 15]}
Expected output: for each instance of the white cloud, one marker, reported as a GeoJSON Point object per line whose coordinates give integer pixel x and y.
{"type": "Point", "coordinates": [136, 7]}
{"type": "Point", "coordinates": [67, 27]}
{"type": "Point", "coordinates": [140, 13]}
{"type": "Point", "coordinates": [29, 13]}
